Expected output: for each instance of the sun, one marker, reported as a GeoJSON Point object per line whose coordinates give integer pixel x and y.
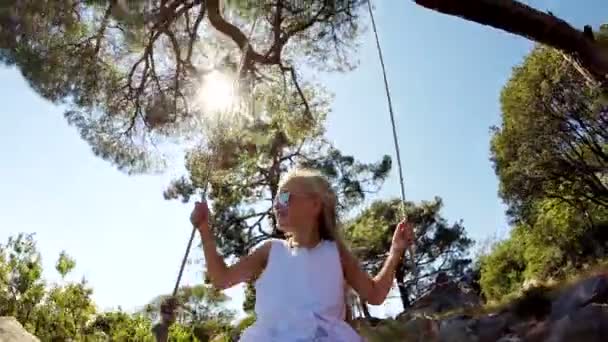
{"type": "Point", "coordinates": [217, 92]}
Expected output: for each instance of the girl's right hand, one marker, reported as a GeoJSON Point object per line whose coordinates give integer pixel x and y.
{"type": "Point", "coordinates": [200, 215]}
{"type": "Point", "coordinates": [403, 237]}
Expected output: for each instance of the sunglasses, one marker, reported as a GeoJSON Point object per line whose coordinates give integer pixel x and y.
{"type": "Point", "coordinates": [283, 197]}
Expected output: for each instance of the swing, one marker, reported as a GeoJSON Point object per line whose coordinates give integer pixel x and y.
{"type": "Point", "coordinates": [392, 117]}
{"type": "Point", "coordinates": [167, 310]}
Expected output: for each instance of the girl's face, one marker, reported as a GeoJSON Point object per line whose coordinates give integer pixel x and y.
{"type": "Point", "coordinates": [296, 206]}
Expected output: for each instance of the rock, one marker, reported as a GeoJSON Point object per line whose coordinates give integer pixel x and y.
{"type": "Point", "coordinates": [490, 328]}
{"type": "Point", "coordinates": [422, 329]}
{"type": "Point", "coordinates": [534, 304]}
{"type": "Point", "coordinates": [522, 328]}
{"type": "Point", "coordinates": [538, 332]}
{"type": "Point", "coordinates": [457, 329]}
{"type": "Point", "coordinates": [590, 290]}
{"type": "Point", "coordinates": [470, 281]}
{"type": "Point", "coordinates": [589, 324]}
{"type": "Point", "coordinates": [578, 313]}
{"type": "Point", "coordinates": [445, 297]}
{"type": "Point", "coordinates": [13, 331]}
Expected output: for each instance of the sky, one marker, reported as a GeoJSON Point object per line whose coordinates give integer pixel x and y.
{"type": "Point", "coordinates": [445, 75]}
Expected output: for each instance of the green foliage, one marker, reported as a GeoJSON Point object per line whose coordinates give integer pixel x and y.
{"type": "Point", "coordinates": [55, 312]}
{"type": "Point", "coordinates": [202, 313]}
{"type": "Point", "coordinates": [552, 142]}
{"type": "Point", "coordinates": [129, 76]}
{"type": "Point", "coordinates": [440, 246]}
{"type": "Point", "coordinates": [556, 240]}
{"type": "Point", "coordinates": [21, 284]}
{"type": "Point", "coordinates": [417, 329]}
{"type": "Point", "coordinates": [370, 233]}
{"type": "Point", "coordinates": [350, 178]}
{"type": "Point", "coordinates": [550, 155]}
{"type": "Point", "coordinates": [121, 326]}
{"type": "Point", "coordinates": [179, 332]}
{"type": "Point", "coordinates": [66, 311]}
{"type": "Point", "coordinates": [245, 323]}
{"type": "Point", "coordinates": [65, 264]}
{"type": "Point", "coordinates": [205, 303]}
{"type": "Point", "coordinates": [71, 307]}
{"type": "Point", "coordinates": [561, 241]}
{"type": "Point", "coordinates": [502, 270]}
{"type": "Point", "coordinates": [249, 302]}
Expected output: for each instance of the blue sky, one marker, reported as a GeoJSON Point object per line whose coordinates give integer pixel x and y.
{"type": "Point", "coordinates": [445, 76]}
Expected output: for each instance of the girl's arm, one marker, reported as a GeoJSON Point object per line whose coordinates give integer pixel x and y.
{"type": "Point", "coordinates": [221, 275]}
{"type": "Point", "coordinates": [372, 290]}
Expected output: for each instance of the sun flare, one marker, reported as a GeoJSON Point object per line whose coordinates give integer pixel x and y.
{"type": "Point", "coordinates": [217, 92]}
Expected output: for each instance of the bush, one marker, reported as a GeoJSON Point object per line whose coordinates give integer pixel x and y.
{"type": "Point", "coordinates": [502, 271]}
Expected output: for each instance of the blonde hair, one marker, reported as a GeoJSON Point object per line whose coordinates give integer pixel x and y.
{"type": "Point", "coordinates": [316, 183]}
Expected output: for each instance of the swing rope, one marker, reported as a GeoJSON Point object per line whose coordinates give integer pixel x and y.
{"type": "Point", "coordinates": [392, 117]}
{"type": "Point", "coordinates": [167, 309]}
{"type": "Point", "coordinates": [208, 174]}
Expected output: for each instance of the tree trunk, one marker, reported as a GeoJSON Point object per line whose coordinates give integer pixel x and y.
{"type": "Point", "coordinates": [403, 293]}
{"type": "Point", "coordinates": [522, 20]}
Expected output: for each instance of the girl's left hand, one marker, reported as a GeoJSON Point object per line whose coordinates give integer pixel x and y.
{"type": "Point", "coordinates": [403, 237]}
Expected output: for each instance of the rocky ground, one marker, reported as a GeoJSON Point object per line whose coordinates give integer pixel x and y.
{"type": "Point", "coordinates": [577, 312]}
{"type": "Point", "coordinates": [12, 331]}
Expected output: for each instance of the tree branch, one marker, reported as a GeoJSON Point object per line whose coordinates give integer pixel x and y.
{"type": "Point", "coordinates": [234, 33]}
{"type": "Point", "coordinates": [278, 20]}
{"type": "Point", "coordinates": [104, 25]}
{"type": "Point", "coordinates": [517, 18]}
{"type": "Point", "coordinates": [178, 64]}
{"type": "Point", "coordinates": [294, 77]}
{"type": "Point", "coordinates": [193, 34]}
{"type": "Point", "coordinates": [283, 40]}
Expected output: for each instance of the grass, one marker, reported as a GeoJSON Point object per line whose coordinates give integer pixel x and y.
{"type": "Point", "coordinates": [419, 329]}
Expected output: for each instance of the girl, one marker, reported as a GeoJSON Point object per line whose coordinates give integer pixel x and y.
{"type": "Point", "coordinates": [300, 282]}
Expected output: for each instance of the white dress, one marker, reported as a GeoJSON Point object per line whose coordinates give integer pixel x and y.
{"type": "Point", "coordinates": [300, 297]}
